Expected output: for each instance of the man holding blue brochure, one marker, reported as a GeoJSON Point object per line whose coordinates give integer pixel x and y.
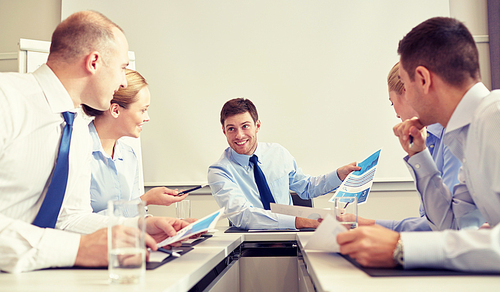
{"type": "Point", "coordinates": [251, 175]}
{"type": "Point", "coordinates": [440, 72]}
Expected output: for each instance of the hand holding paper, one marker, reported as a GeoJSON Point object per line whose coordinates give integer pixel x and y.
{"type": "Point", "coordinates": [199, 226]}
{"type": "Point", "coordinates": [325, 236]}
{"type": "Point", "coordinates": [358, 183]}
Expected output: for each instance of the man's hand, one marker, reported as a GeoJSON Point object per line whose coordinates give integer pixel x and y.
{"type": "Point", "coordinates": [93, 249]}
{"type": "Point", "coordinates": [162, 227]}
{"type": "Point", "coordinates": [343, 171]}
{"type": "Point", "coordinates": [162, 196]}
{"type": "Point", "coordinates": [371, 246]}
{"type": "Point", "coordinates": [306, 223]}
{"type": "Point", "coordinates": [411, 127]}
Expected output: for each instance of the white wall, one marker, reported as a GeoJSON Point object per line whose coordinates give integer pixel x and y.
{"type": "Point", "coordinates": [315, 69]}
{"type": "Point", "coordinates": [29, 19]}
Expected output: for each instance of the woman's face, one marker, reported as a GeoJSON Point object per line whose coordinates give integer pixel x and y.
{"type": "Point", "coordinates": [132, 118]}
{"type": "Point", "coordinates": [403, 110]}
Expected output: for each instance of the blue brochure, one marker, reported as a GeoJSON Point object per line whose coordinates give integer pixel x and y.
{"type": "Point", "coordinates": [358, 183]}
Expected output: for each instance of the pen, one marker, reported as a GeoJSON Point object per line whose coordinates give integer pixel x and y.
{"type": "Point", "coordinates": [190, 190]}
{"type": "Point", "coordinates": [411, 141]}
{"type": "Point", "coordinates": [346, 205]}
{"type": "Point", "coordinates": [170, 252]}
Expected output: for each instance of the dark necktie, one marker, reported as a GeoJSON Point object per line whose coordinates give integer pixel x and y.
{"type": "Point", "coordinates": [49, 211]}
{"type": "Point", "coordinates": [265, 193]}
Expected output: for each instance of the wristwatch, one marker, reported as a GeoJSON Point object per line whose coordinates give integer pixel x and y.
{"type": "Point", "coordinates": [398, 255]}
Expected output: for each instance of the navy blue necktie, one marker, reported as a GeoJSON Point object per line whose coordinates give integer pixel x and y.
{"type": "Point", "coordinates": [265, 193]}
{"type": "Point", "coordinates": [49, 211]}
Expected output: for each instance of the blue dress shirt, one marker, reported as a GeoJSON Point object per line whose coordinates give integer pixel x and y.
{"type": "Point", "coordinates": [233, 185]}
{"type": "Point", "coordinates": [448, 166]}
{"type": "Point", "coordinates": [114, 178]}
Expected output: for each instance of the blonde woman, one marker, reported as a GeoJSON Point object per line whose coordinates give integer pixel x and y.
{"type": "Point", "coordinates": [115, 168]}
{"type": "Point", "coordinates": [447, 164]}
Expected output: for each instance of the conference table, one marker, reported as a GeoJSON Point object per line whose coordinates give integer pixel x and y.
{"type": "Point", "coordinates": [249, 261]}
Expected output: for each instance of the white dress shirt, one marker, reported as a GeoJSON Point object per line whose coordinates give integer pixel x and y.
{"type": "Point", "coordinates": [473, 135]}
{"type": "Point", "coordinates": [31, 123]}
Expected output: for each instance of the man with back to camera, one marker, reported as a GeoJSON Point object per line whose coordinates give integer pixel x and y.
{"type": "Point", "coordinates": [440, 71]}
{"type": "Point", "coordinates": [233, 181]}
{"type": "Point", "coordinates": [86, 65]}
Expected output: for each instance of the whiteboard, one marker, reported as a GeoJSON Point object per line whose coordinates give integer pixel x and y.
{"type": "Point", "coordinates": [316, 71]}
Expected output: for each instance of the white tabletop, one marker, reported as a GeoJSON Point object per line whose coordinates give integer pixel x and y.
{"type": "Point", "coordinates": [329, 272]}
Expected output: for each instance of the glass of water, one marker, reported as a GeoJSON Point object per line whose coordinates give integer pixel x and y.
{"type": "Point", "coordinates": [346, 211]}
{"type": "Point", "coordinates": [126, 246]}
{"type": "Point", "coordinates": [183, 209]}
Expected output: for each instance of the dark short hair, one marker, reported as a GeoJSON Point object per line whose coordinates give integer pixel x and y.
{"type": "Point", "coordinates": [444, 46]}
{"type": "Point", "coordinates": [238, 106]}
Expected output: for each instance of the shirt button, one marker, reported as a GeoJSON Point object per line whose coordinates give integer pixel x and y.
{"type": "Point", "coordinates": [431, 146]}
{"type": "Point", "coordinates": [417, 166]}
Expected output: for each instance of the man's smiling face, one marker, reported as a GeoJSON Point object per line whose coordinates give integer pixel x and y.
{"type": "Point", "coordinates": [241, 133]}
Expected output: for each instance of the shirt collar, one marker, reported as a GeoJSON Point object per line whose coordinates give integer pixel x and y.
{"type": "Point", "coordinates": [57, 97]}
{"type": "Point", "coordinates": [96, 142]}
{"type": "Point", "coordinates": [436, 130]}
{"type": "Point", "coordinates": [97, 146]}
{"type": "Point", "coordinates": [243, 159]}
{"type": "Point", "coordinates": [464, 112]}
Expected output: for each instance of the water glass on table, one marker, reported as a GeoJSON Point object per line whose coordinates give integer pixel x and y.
{"type": "Point", "coordinates": [346, 211]}
{"type": "Point", "coordinates": [126, 242]}
{"type": "Point", "coordinates": [183, 209]}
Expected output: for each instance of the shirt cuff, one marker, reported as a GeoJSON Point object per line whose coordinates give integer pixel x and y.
{"type": "Point", "coordinates": [389, 224]}
{"type": "Point", "coordinates": [333, 180]}
{"type": "Point", "coordinates": [58, 248]}
{"type": "Point", "coordinates": [423, 249]}
{"type": "Point", "coordinates": [286, 221]}
{"type": "Point", "coordinates": [422, 164]}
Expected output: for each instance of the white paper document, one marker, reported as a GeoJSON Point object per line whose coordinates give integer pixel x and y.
{"type": "Point", "coordinates": [325, 236]}
{"type": "Point", "coordinates": [204, 224]}
{"type": "Point", "coordinates": [301, 211]}
{"type": "Point", "coordinates": [358, 183]}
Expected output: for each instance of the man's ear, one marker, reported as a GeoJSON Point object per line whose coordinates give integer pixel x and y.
{"type": "Point", "coordinates": [423, 76]}
{"type": "Point", "coordinates": [114, 110]}
{"type": "Point", "coordinates": [257, 126]}
{"type": "Point", "coordinates": [93, 62]}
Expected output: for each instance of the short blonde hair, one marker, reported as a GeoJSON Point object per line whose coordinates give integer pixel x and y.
{"type": "Point", "coordinates": [393, 80]}
{"type": "Point", "coordinates": [135, 83]}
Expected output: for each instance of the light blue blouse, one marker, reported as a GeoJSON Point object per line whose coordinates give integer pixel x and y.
{"type": "Point", "coordinates": [114, 178]}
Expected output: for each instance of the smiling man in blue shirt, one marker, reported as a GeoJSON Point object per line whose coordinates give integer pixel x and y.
{"type": "Point", "coordinates": [232, 179]}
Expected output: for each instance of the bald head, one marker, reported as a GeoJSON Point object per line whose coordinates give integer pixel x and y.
{"type": "Point", "coordinates": [80, 34]}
